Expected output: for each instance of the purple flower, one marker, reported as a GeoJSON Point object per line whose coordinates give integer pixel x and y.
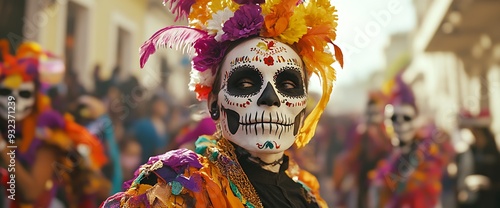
{"type": "Point", "coordinates": [127, 184]}
{"type": "Point", "coordinates": [178, 159]}
{"type": "Point", "coordinates": [138, 200]}
{"type": "Point", "coordinates": [247, 21]}
{"type": "Point", "coordinates": [50, 119]}
{"type": "Point", "coordinates": [209, 54]}
{"type": "Point", "coordinates": [113, 201]}
{"type": "Point", "coordinates": [192, 183]}
{"type": "Point", "coordinates": [249, 1]}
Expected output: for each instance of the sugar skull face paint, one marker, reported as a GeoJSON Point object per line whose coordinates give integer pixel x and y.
{"type": "Point", "coordinates": [403, 121]}
{"type": "Point", "coordinates": [23, 92]}
{"type": "Point", "coordinates": [263, 96]}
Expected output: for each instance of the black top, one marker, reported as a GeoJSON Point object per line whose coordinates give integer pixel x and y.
{"type": "Point", "coordinates": [277, 190]}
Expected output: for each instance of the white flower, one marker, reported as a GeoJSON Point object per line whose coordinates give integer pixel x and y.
{"type": "Point", "coordinates": [215, 25]}
{"type": "Point", "coordinates": [204, 78]}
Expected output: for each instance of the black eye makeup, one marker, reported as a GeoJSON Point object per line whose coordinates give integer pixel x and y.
{"type": "Point", "coordinates": [397, 118]}
{"type": "Point", "coordinates": [244, 81]}
{"type": "Point", "coordinates": [25, 93]}
{"type": "Point", "coordinates": [289, 82]}
{"type": "Point", "coordinates": [5, 91]}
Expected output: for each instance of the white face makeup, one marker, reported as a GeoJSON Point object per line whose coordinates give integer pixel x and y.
{"type": "Point", "coordinates": [262, 98]}
{"type": "Point", "coordinates": [24, 103]}
{"type": "Point", "coordinates": [403, 121]}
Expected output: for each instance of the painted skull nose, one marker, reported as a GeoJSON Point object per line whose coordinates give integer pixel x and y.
{"type": "Point", "coordinates": [269, 97]}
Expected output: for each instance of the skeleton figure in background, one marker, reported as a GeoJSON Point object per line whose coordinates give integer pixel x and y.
{"type": "Point", "coordinates": [402, 118]}
{"type": "Point", "coordinates": [25, 98]}
{"type": "Point", "coordinates": [411, 175]}
{"type": "Point", "coordinates": [42, 137]}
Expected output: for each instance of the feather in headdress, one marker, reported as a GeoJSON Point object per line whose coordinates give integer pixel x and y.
{"type": "Point", "coordinates": [177, 37]}
{"type": "Point", "coordinates": [180, 8]}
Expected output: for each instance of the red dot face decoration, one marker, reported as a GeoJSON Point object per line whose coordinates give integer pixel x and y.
{"type": "Point", "coordinates": [262, 100]}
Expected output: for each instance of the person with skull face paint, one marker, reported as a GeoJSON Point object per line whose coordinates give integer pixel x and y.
{"type": "Point", "coordinates": [251, 61]}
{"type": "Point", "coordinates": [43, 137]}
{"type": "Point", "coordinates": [411, 175]}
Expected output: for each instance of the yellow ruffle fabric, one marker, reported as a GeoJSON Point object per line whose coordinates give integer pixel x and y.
{"type": "Point", "coordinates": [215, 192]}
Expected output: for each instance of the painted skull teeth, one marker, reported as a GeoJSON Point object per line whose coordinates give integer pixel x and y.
{"type": "Point", "coordinates": [263, 122]}
{"type": "Point", "coordinates": [25, 109]}
{"type": "Point", "coordinates": [263, 117]}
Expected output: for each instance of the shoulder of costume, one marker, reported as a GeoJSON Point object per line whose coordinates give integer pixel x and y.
{"type": "Point", "coordinates": [179, 178]}
{"type": "Point", "coordinates": [60, 130]}
{"type": "Point", "coordinates": [171, 174]}
{"type": "Point", "coordinates": [308, 181]}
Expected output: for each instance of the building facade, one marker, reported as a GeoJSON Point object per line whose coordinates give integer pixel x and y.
{"type": "Point", "coordinates": [455, 52]}
{"type": "Point", "coordinates": [90, 33]}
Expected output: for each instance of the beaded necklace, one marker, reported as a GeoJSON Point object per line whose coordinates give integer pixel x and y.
{"type": "Point", "coordinates": [223, 155]}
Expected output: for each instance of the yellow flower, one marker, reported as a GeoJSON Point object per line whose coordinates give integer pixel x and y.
{"type": "Point", "coordinates": [13, 81]}
{"type": "Point", "coordinates": [202, 11]}
{"type": "Point", "coordinates": [199, 14]}
{"type": "Point", "coordinates": [320, 14]}
{"type": "Point", "coordinates": [296, 27]}
{"type": "Point", "coordinates": [268, 5]}
{"type": "Point", "coordinates": [216, 6]}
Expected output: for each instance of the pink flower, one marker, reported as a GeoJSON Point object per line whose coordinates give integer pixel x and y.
{"type": "Point", "coordinates": [247, 21]}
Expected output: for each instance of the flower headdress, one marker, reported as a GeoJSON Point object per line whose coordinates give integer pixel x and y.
{"type": "Point", "coordinates": [21, 64]}
{"type": "Point", "coordinates": [30, 62]}
{"type": "Point", "coordinates": [402, 93]}
{"type": "Point", "coordinates": [310, 27]}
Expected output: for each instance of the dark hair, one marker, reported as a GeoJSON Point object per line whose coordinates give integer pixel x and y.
{"type": "Point", "coordinates": [372, 102]}
{"type": "Point", "coordinates": [486, 133]}
{"type": "Point", "coordinates": [159, 97]}
{"type": "Point", "coordinates": [125, 142]}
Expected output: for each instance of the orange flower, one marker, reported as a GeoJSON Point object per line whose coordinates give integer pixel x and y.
{"type": "Point", "coordinates": [277, 21]}
{"type": "Point", "coordinates": [202, 91]}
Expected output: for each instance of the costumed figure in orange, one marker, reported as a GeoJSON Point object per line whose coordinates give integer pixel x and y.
{"type": "Point", "coordinates": [42, 152]}
{"type": "Point", "coordinates": [369, 144]}
{"type": "Point", "coordinates": [251, 61]}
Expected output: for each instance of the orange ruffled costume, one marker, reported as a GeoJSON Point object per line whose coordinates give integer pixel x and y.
{"type": "Point", "coordinates": [44, 127]}
{"type": "Point", "coordinates": [65, 138]}
{"type": "Point", "coordinates": [182, 178]}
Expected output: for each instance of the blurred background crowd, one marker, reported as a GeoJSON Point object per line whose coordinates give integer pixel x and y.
{"type": "Point", "coordinates": [446, 51]}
